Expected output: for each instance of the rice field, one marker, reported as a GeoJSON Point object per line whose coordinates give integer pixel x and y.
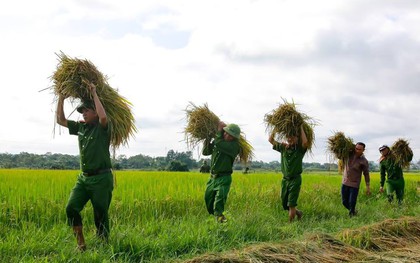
{"type": "Point", "coordinates": [161, 217]}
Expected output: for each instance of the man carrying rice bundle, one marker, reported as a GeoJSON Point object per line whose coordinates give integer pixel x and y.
{"type": "Point", "coordinates": [352, 163]}
{"type": "Point", "coordinates": [76, 79]}
{"type": "Point", "coordinates": [295, 130]}
{"type": "Point", "coordinates": [392, 170]}
{"type": "Point", "coordinates": [292, 152]}
{"type": "Point", "coordinates": [223, 150]}
{"type": "Point", "coordinates": [95, 182]}
{"type": "Point", "coordinates": [226, 144]}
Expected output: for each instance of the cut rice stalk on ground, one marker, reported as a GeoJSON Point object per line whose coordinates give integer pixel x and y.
{"type": "Point", "coordinates": [393, 240]}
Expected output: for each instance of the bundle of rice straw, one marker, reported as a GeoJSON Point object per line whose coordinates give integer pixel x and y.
{"type": "Point", "coordinates": [202, 125]}
{"type": "Point", "coordinates": [286, 121]}
{"type": "Point", "coordinates": [246, 152]}
{"type": "Point", "coordinates": [340, 146]}
{"type": "Point", "coordinates": [402, 153]}
{"type": "Point", "coordinates": [71, 80]}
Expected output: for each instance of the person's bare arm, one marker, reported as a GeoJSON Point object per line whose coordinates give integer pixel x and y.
{"type": "Point", "coordinates": [61, 118]}
{"type": "Point", "coordinates": [103, 119]}
{"type": "Point", "coordinates": [271, 139]}
{"type": "Point", "coordinates": [303, 138]}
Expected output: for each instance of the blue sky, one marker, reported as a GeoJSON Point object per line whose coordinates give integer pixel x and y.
{"type": "Point", "coordinates": [352, 65]}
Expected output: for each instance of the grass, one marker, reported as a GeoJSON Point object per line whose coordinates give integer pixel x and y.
{"type": "Point", "coordinates": [161, 217]}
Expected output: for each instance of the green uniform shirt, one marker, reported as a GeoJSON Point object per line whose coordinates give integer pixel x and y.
{"type": "Point", "coordinates": [223, 154]}
{"type": "Point", "coordinates": [291, 159]}
{"type": "Point", "coordinates": [389, 166]}
{"type": "Point", "coordinates": [94, 143]}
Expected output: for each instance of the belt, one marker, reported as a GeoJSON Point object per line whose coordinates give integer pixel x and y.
{"type": "Point", "coordinates": [100, 171]}
{"type": "Point", "coordinates": [218, 175]}
{"type": "Point", "coordinates": [290, 177]}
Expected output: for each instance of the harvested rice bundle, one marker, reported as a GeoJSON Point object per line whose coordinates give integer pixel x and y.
{"type": "Point", "coordinates": [72, 76]}
{"type": "Point", "coordinates": [340, 146]}
{"type": "Point", "coordinates": [202, 125]}
{"type": "Point", "coordinates": [286, 121]}
{"type": "Point", "coordinates": [246, 152]}
{"type": "Point", "coordinates": [71, 80]}
{"type": "Point", "coordinates": [402, 153]}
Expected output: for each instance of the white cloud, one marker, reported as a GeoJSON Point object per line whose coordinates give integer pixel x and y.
{"type": "Point", "coordinates": [352, 65]}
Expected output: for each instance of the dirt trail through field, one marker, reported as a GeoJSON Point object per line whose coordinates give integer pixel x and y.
{"type": "Point", "coordinates": [393, 240]}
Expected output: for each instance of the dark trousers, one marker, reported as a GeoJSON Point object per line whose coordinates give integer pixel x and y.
{"type": "Point", "coordinates": [97, 189]}
{"type": "Point", "coordinates": [349, 198]}
{"type": "Point", "coordinates": [216, 194]}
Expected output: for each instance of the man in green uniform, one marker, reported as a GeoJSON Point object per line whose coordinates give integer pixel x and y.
{"type": "Point", "coordinates": [223, 151]}
{"type": "Point", "coordinates": [95, 182]}
{"type": "Point", "coordinates": [390, 168]}
{"type": "Point", "coordinates": [292, 153]}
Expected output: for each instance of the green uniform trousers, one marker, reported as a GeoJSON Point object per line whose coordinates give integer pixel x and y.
{"type": "Point", "coordinates": [97, 189]}
{"type": "Point", "coordinates": [397, 186]}
{"type": "Point", "coordinates": [290, 189]}
{"type": "Point", "coordinates": [216, 194]}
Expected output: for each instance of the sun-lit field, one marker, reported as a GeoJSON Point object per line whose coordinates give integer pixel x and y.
{"type": "Point", "coordinates": [160, 216]}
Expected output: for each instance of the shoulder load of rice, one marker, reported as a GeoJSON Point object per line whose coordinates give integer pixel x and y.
{"type": "Point", "coordinates": [71, 79]}
{"type": "Point", "coordinates": [286, 121]}
{"type": "Point", "coordinates": [340, 146]}
{"type": "Point", "coordinates": [202, 125]}
{"type": "Point", "coordinates": [402, 153]}
{"type": "Point", "coordinates": [246, 152]}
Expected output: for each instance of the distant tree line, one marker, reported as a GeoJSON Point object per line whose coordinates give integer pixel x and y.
{"type": "Point", "coordinates": [173, 161]}
{"type": "Point", "coordinates": [39, 161]}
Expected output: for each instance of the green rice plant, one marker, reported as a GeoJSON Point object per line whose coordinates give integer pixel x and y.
{"type": "Point", "coordinates": [161, 217]}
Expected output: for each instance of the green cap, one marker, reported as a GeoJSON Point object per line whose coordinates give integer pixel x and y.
{"type": "Point", "coordinates": [88, 104]}
{"type": "Point", "coordinates": [233, 130]}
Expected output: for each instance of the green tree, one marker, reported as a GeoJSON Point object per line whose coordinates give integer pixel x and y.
{"type": "Point", "coordinates": [177, 166]}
